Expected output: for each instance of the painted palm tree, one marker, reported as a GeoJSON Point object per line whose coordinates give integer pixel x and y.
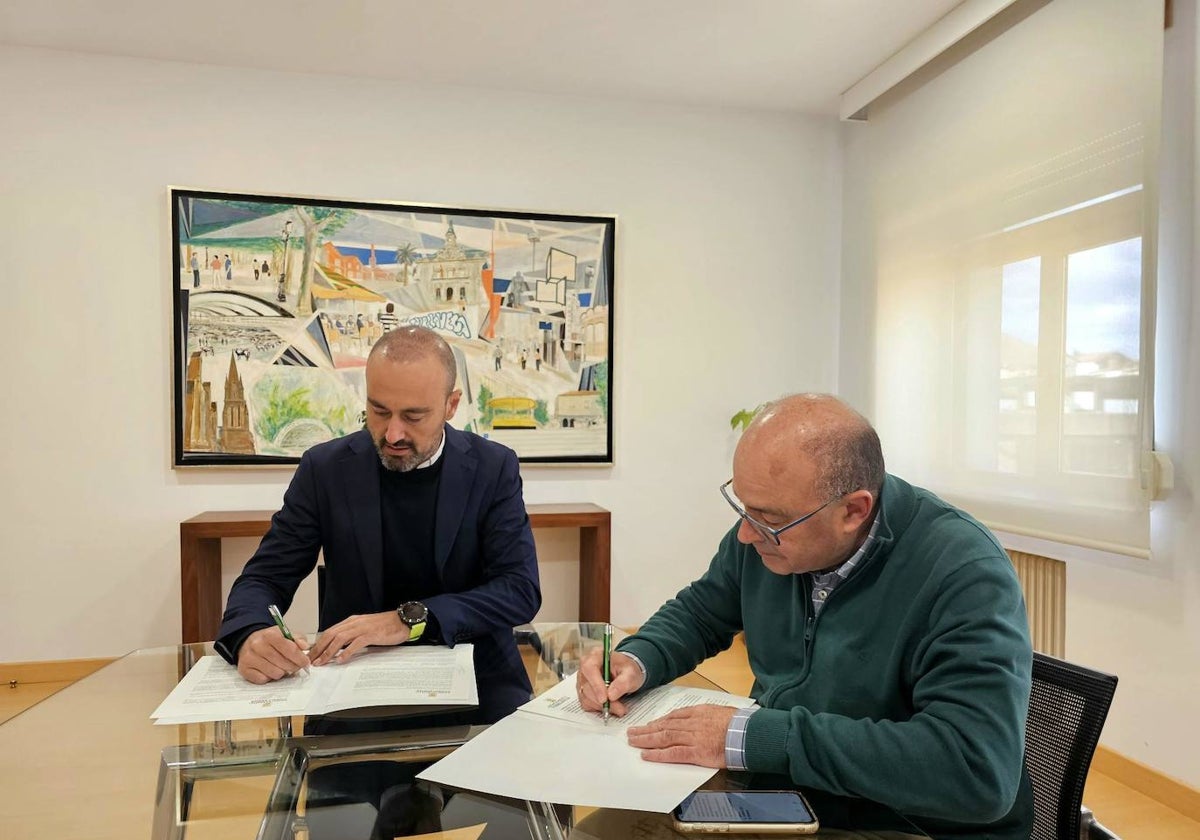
{"type": "Point", "coordinates": [406, 255]}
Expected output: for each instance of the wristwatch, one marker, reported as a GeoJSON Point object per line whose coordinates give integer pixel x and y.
{"type": "Point", "coordinates": [414, 614]}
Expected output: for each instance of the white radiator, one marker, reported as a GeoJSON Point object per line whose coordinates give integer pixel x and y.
{"type": "Point", "coordinates": [1044, 582]}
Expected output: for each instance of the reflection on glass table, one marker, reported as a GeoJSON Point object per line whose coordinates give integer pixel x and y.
{"type": "Point", "coordinates": [88, 762]}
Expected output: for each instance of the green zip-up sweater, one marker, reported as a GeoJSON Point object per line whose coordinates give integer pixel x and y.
{"type": "Point", "coordinates": [911, 686]}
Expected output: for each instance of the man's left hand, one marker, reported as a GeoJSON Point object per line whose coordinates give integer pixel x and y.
{"type": "Point", "coordinates": [347, 638]}
{"type": "Point", "coordinates": [691, 735]}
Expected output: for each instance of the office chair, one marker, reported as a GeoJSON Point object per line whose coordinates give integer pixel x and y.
{"type": "Point", "coordinates": [1067, 708]}
{"type": "Point", "coordinates": [1090, 829]}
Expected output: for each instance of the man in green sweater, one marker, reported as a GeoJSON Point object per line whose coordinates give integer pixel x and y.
{"type": "Point", "coordinates": [886, 631]}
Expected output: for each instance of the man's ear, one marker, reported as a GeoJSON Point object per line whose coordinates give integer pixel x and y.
{"type": "Point", "coordinates": [452, 403]}
{"type": "Point", "coordinates": [858, 507]}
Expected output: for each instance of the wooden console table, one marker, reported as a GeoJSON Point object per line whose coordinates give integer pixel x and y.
{"type": "Point", "coordinates": [200, 559]}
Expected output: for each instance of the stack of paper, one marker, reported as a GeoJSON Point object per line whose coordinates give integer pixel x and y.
{"type": "Point", "coordinates": [551, 750]}
{"type": "Point", "coordinates": [389, 676]}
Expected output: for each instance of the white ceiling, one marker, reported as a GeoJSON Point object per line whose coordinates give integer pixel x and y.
{"type": "Point", "coordinates": [790, 55]}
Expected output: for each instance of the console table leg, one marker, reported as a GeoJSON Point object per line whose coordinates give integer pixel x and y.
{"type": "Point", "coordinates": [200, 582]}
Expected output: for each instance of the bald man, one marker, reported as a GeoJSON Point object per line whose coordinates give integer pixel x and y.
{"type": "Point", "coordinates": [424, 533]}
{"type": "Point", "coordinates": [886, 631]}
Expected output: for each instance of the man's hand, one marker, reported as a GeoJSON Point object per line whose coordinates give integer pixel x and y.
{"type": "Point", "coordinates": [627, 678]}
{"type": "Point", "coordinates": [347, 638]}
{"type": "Point", "coordinates": [691, 735]}
{"type": "Point", "coordinates": [266, 656]}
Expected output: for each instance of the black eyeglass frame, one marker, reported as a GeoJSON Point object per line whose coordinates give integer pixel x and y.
{"type": "Point", "coordinates": [766, 531]}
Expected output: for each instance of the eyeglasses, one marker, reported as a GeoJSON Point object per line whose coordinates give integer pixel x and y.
{"type": "Point", "coordinates": [765, 531]}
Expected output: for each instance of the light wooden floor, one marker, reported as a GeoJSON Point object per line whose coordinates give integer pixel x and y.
{"type": "Point", "coordinates": [1126, 812]}
{"type": "Point", "coordinates": [1132, 815]}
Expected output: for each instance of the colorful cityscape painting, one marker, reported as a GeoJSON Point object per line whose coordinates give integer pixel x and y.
{"type": "Point", "coordinates": [279, 300]}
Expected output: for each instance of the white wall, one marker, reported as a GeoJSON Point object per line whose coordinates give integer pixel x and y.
{"type": "Point", "coordinates": [1137, 619]}
{"type": "Point", "coordinates": [727, 262]}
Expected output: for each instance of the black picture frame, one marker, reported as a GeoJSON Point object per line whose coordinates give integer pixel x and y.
{"type": "Point", "coordinates": [277, 301]}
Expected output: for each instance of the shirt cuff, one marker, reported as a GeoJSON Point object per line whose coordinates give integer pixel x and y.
{"type": "Point", "coordinates": [641, 667]}
{"type": "Point", "coordinates": [735, 738]}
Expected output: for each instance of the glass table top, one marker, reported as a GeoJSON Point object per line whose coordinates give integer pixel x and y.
{"type": "Point", "coordinates": [89, 762]}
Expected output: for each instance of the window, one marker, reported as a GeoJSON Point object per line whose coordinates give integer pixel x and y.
{"type": "Point", "coordinates": [1060, 334]}
{"type": "Point", "coordinates": [1008, 205]}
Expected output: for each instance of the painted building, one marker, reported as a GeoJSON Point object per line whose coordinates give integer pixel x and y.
{"type": "Point", "coordinates": [452, 275]}
{"type": "Point", "coordinates": [579, 408]}
{"type": "Point", "coordinates": [347, 265]}
{"type": "Point", "coordinates": [200, 430]}
{"type": "Point", "coordinates": [235, 418]}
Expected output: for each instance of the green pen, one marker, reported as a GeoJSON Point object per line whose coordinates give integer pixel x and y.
{"type": "Point", "coordinates": [607, 666]}
{"type": "Point", "coordinates": [283, 628]}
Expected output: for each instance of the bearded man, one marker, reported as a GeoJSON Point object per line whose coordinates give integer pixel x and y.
{"type": "Point", "coordinates": [423, 530]}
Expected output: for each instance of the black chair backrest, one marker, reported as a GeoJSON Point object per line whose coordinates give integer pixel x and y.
{"type": "Point", "coordinates": [1067, 708]}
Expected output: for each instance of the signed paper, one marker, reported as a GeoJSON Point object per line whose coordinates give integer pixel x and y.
{"type": "Point", "coordinates": [567, 755]}
{"type": "Point", "coordinates": [562, 703]}
{"type": "Point", "coordinates": [393, 676]}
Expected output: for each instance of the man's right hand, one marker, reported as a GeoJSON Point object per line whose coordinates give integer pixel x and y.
{"type": "Point", "coordinates": [267, 656]}
{"type": "Point", "coordinates": [627, 678]}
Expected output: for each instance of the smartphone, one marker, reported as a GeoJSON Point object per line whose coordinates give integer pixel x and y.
{"type": "Point", "coordinates": [745, 812]}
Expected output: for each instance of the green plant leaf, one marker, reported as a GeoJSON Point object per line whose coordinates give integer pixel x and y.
{"type": "Point", "coordinates": [741, 420]}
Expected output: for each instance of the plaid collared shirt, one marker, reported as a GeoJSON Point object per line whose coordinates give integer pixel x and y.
{"type": "Point", "coordinates": [825, 583]}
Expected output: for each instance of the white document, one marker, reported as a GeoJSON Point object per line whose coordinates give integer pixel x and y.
{"type": "Point", "coordinates": [562, 703]}
{"type": "Point", "coordinates": [385, 676]}
{"type": "Point", "coordinates": [550, 750]}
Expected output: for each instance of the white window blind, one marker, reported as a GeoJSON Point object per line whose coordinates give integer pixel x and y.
{"type": "Point", "coordinates": [1010, 211]}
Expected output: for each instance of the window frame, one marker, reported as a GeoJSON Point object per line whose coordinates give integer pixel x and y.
{"type": "Point", "coordinates": [1052, 240]}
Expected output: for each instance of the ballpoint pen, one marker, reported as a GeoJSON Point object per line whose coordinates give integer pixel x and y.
{"type": "Point", "coordinates": [283, 628]}
{"type": "Point", "coordinates": [607, 666]}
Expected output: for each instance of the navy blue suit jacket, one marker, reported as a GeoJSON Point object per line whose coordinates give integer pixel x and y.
{"type": "Point", "coordinates": [483, 551]}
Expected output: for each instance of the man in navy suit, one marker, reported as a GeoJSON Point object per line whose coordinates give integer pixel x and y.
{"type": "Point", "coordinates": [423, 529]}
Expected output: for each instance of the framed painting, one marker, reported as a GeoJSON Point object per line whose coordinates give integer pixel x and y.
{"type": "Point", "coordinates": [278, 301]}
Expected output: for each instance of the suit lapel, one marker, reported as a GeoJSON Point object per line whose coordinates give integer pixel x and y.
{"type": "Point", "coordinates": [361, 493]}
{"type": "Point", "coordinates": [458, 473]}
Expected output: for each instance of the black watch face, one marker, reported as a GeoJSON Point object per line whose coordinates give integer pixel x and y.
{"type": "Point", "coordinates": [413, 612]}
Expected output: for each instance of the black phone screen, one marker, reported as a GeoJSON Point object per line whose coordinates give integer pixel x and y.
{"type": "Point", "coordinates": [749, 806]}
